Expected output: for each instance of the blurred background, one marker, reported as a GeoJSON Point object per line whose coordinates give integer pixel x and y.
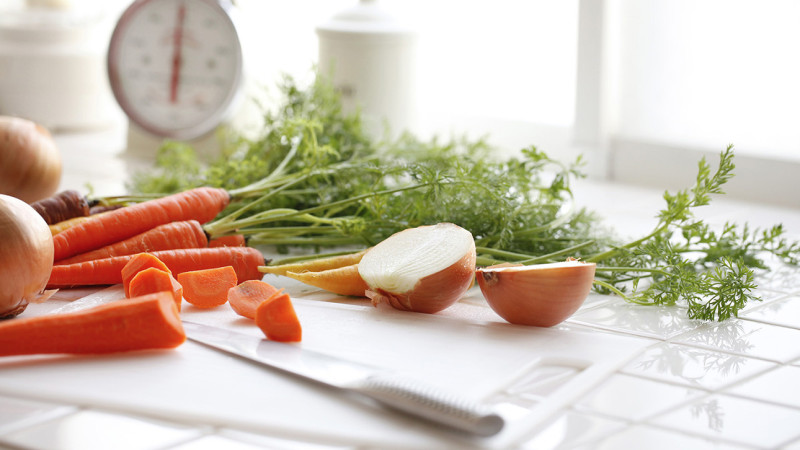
{"type": "Point", "coordinates": [641, 88]}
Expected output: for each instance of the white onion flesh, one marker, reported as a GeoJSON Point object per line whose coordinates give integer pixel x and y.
{"type": "Point", "coordinates": [423, 269]}
{"type": "Point", "coordinates": [26, 256]}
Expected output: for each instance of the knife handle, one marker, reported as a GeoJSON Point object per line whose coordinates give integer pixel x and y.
{"type": "Point", "coordinates": [428, 402]}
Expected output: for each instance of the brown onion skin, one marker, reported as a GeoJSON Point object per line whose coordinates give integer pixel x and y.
{"type": "Point", "coordinates": [30, 162]}
{"type": "Point", "coordinates": [26, 255]}
{"type": "Point", "coordinates": [542, 297]}
{"type": "Point", "coordinates": [435, 292]}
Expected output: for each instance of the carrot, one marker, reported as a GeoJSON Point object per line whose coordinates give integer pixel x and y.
{"type": "Point", "coordinates": [343, 280]}
{"type": "Point", "coordinates": [277, 319]}
{"type": "Point", "coordinates": [147, 322]}
{"type": "Point", "coordinates": [233, 240]}
{"type": "Point", "coordinates": [152, 280]}
{"type": "Point", "coordinates": [201, 204]}
{"type": "Point", "coordinates": [64, 224]}
{"type": "Point", "coordinates": [245, 261]}
{"type": "Point", "coordinates": [62, 206]}
{"type": "Point", "coordinates": [136, 264]}
{"type": "Point", "coordinates": [170, 236]}
{"type": "Point", "coordinates": [316, 265]}
{"type": "Point", "coordinates": [207, 288]}
{"type": "Point", "coordinates": [245, 297]}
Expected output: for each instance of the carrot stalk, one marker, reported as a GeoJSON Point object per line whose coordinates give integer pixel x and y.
{"type": "Point", "coordinates": [343, 280]}
{"type": "Point", "coordinates": [316, 265]}
{"type": "Point", "coordinates": [147, 322]}
{"type": "Point", "coordinates": [201, 204]}
{"type": "Point", "coordinates": [170, 236]}
{"type": "Point", "coordinates": [277, 319]}
{"type": "Point", "coordinates": [244, 260]}
{"type": "Point", "coordinates": [207, 288]}
{"type": "Point", "coordinates": [136, 264]}
{"type": "Point", "coordinates": [152, 280]}
{"type": "Point", "coordinates": [246, 296]}
{"type": "Point", "coordinates": [62, 206]}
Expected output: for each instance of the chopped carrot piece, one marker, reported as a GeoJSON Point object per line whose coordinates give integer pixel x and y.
{"type": "Point", "coordinates": [277, 319]}
{"type": "Point", "coordinates": [152, 280]}
{"type": "Point", "coordinates": [146, 322]}
{"type": "Point", "coordinates": [136, 264]}
{"type": "Point", "coordinates": [245, 297]}
{"type": "Point", "coordinates": [208, 288]}
{"type": "Point", "coordinates": [342, 280]}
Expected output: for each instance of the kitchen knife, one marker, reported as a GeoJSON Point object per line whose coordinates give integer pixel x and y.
{"type": "Point", "coordinates": [394, 391]}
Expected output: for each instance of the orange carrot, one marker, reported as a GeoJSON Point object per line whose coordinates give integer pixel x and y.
{"type": "Point", "coordinates": [343, 281]}
{"type": "Point", "coordinates": [69, 223]}
{"type": "Point", "coordinates": [201, 204]}
{"type": "Point", "coordinates": [316, 265]}
{"type": "Point", "coordinates": [245, 261]}
{"type": "Point", "coordinates": [147, 322]}
{"type": "Point", "coordinates": [170, 236]}
{"type": "Point", "coordinates": [207, 288]}
{"type": "Point", "coordinates": [136, 264]}
{"type": "Point", "coordinates": [152, 280]}
{"type": "Point", "coordinates": [233, 240]}
{"type": "Point", "coordinates": [245, 297]}
{"type": "Point", "coordinates": [277, 319]}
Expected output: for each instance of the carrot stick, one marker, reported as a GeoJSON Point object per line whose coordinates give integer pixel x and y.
{"type": "Point", "coordinates": [343, 280]}
{"type": "Point", "coordinates": [207, 288]}
{"type": "Point", "coordinates": [152, 280]}
{"type": "Point", "coordinates": [316, 265]}
{"type": "Point", "coordinates": [136, 264]}
{"type": "Point", "coordinates": [62, 206]}
{"type": "Point", "coordinates": [170, 236]}
{"type": "Point", "coordinates": [147, 322]}
{"type": "Point", "coordinates": [201, 204]}
{"type": "Point", "coordinates": [234, 240]}
{"type": "Point", "coordinates": [245, 261]}
{"type": "Point", "coordinates": [277, 319]}
{"type": "Point", "coordinates": [245, 297]}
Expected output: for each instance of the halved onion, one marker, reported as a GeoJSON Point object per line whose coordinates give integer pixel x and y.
{"type": "Point", "coordinates": [424, 269]}
{"type": "Point", "coordinates": [540, 295]}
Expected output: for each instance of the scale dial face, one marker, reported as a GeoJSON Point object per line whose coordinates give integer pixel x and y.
{"type": "Point", "coordinates": [175, 66]}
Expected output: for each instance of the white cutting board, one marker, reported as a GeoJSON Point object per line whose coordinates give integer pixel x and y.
{"type": "Point", "coordinates": [527, 373]}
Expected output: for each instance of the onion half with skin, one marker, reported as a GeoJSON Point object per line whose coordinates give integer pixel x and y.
{"type": "Point", "coordinates": [424, 269]}
{"type": "Point", "coordinates": [26, 256]}
{"type": "Point", "coordinates": [30, 163]}
{"type": "Point", "coordinates": [540, 295]}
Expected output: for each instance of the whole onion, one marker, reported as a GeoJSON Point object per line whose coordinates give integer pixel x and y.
{"type": "Point", "coordinates": [30, 163]}
{"type": "Point", "coordinates": [26, 256]}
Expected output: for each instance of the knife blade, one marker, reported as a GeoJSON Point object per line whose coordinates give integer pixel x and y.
{"type": "Point", "coordinates": [392, 390]}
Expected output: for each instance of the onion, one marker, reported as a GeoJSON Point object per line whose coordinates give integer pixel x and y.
{"type": "Point", "coordinates": [26, 256]}
{"type": "Point", "coordinates": [423, 269]}
{"type": "Point", "coordinates": [540, 295]}
{"type": "Point", "coordinates": [30, 163]}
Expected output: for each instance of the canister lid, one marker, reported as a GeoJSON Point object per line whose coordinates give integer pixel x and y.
{"type": "Point", "coordinates": [368, 18]}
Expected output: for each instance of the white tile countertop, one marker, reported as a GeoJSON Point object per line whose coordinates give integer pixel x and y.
{"type": "Point", "coordinates": [638, 376]}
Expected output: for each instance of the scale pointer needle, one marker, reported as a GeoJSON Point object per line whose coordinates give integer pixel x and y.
{"type": "Point", "coordinates": [177, 38]}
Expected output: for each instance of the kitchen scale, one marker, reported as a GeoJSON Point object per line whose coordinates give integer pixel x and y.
{"type": "Point", "coordinates": [176, 69]}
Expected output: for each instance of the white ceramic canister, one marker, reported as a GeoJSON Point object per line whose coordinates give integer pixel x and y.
{"type": "Point", "coordinates": [370, 57]}
{"type": "Point", "coordinates": [52, 65]}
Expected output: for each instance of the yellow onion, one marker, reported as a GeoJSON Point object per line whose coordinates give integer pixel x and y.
{"type": "Point", "coordinates": [424, 269]}
{"type": "Point", "coordinates": [540, 295]}
{"type": "Point", "coordinates": [30, 163]}
{"type": "Point", "coordinates": [26, 256]}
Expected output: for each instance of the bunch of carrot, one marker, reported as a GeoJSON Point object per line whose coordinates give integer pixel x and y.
{"type": "Point", "coordinates": [93, 250]}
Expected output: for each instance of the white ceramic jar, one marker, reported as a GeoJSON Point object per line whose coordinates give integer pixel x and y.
{"type": "Point", "coordinates": [370, 56]}
{"type": "Point", "coordinates": [52, 66]}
